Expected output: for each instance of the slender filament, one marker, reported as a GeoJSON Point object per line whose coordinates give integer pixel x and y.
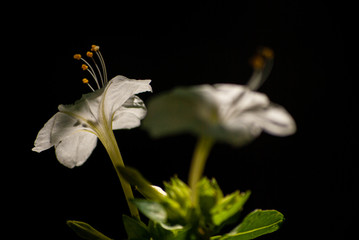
{"type": "Point", "coordinates": [92, 72]}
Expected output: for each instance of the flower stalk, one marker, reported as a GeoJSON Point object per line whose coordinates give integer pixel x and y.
{"type": "Point", "coordinates": [199, 159]}
{"type": "Point", "coordinates": [107, 137]}
{"type": "Point", "coordinates": [110, 144]}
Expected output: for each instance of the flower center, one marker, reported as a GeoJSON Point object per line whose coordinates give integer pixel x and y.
{"type": "Point", "coordinates": [99, 76]}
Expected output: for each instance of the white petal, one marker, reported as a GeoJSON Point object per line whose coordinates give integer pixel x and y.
{"type": "Point", "coordinates": [223, 94]}
{"type": "Point", "coordinates": [87, 107]}
{"type": "Point", "coordinates": [76, 148]}
{"type": "Point", "coordinates": [64, 125]}
{"type": "Point", "coordinates": [277, 121]}
{"type": "Point", "coordinates": [245, 113]}
{"type": "Point", "coordinates": [239, 97]}
{"type": "Point", "coordinates": [119, 90]}
{"type": "Point", "coordinates": [273, 119]}
{"type": "Point", "coordinates": [180, 110]}
{"type": "Point", "coordinates": [42, 141]}
{"type": "Point", "coordinates": [59, 127]}
{"type": "Point", "coordinates": [130, 114]}
{"type": "Point", "coordinates": [237, 134]}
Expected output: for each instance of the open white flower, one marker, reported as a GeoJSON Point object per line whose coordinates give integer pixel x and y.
{"type": "Point", "coordinates": [230, 113]}
{"type": "Point", "coordinates": [73, 131]}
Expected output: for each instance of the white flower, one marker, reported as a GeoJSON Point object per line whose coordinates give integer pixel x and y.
{"type": "Point", "coordinates": [73, 131]}
{"type": "Point", "coordinates": [226, 112]}
{"type": "Point", "coordinates": [230, 113]}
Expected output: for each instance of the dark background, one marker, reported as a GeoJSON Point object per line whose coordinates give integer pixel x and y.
{"type": "Point", "coordinates": [311, 177]}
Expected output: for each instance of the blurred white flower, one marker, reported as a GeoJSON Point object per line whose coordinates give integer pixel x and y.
{"type": "Point", "coordinates": [230, 113]}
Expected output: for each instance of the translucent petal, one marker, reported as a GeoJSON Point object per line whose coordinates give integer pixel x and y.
{"type": "Point", "coordinates": [119, 90]}
{"type": "Point", "coordinates": [273, 119]}
{"type": "Point", "coordinates": [277, 121]}
{"type": "Point", "coordinates": [87, 107]}
{"type": "Point", "coordinates": [181, 110]}
{"type": "Point", "coordinates": [42, 141]}
{"type": "Point", "coordinates": [76, 148]}
{"type": "Point", "coordinates": [238, 133]}
{"type": "Point", "coordinates": [239, 97]}
{"type": "Point", "coordinates": [130, 114]}
{"type": "Point", "coordinates": [222, 94]}
{"type": "Point", "coordinates": [65, 125]}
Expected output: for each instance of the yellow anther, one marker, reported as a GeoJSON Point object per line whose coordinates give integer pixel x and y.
{"type": "Point", "coordinates": [257, 62]}
{"type": "Point", "coordinates": [95, 48]}
{"type": "Point", "coordinates": [84, 67]}
{"type": "Point", "coordinates": [77, 56]}
{"type": "Point", "coordinates": [267, 52]}
{"type": "Point", "coordinates": [85, 81]}
{"type": "Point", "coordinates": [89, 54]}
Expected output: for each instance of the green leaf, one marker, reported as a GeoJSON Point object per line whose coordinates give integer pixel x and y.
{"type": "Point", "coordinates": [228, 206]}
{"type": "Point", "coordinates": [85, 231]}
{"type": "Point", "coordinates": [136, 179]}
{"type": "Point", "coordinates": [163, 232]}
{"type": "Point", "coordinates": [151, 209]}
{"type": "Point", "coordinates": [215, 237]}
{"type": "Point", "coordinates": [135, 229]}
{"type": "Point", "coordinates": [255, 224]}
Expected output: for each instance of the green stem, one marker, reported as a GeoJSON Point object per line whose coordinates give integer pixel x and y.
{"type": "Point", "coordinates": [199, 159]}
{"type": "Point", "coordinates": [110, 143]}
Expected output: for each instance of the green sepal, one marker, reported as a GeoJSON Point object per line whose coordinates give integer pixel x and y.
{"type": "Point", "coordinates": [178, 201]}
{"type": "Point", "coordinates": [209, 194]}
{"type": "Point", "coordinates": [136, 230]}
{"type": "Point", "coordinates": [255, 224]}
{"type": "Point", "coordinates": [228, 207]}
{"type": "Point", "coordinates": [219, 210]}
{"type": "Point", "coordinates": [178, 191]}
{"type": "Point", "coordinates": [86, 231]}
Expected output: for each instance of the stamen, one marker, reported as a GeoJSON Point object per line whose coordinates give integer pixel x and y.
{"type": "Point", "coordinates": [96, 49]}
{"type": "Point", "coordinates": [257, 62]}
{"type": "Point", "coordinates": [103, 66]}
{"type": "Point", "coordinates": [262, 64]}
{"type": "Point", "coordinates": [86, 66]}
{"type": "Point", "coordinates": [267, 53]}
{"type": "Point", "coordinates": [86, 81]}
{"type": "Point", "coordinates": [77, 56]}
{"type": "Point", "coordinates": [90, 55]}
{"type": "Point", "coordinates": [92, 72]}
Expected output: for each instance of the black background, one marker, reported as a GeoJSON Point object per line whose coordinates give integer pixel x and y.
{"type": "Point", "coordinates": [311, 177]}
